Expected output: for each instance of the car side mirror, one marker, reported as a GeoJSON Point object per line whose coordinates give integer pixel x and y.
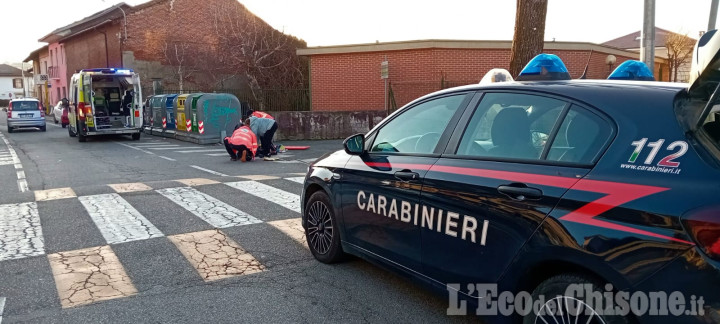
{"type": "Point", "coordinates": [355, 144]}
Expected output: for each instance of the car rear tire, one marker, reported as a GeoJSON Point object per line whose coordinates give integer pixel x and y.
{"type": "Point", "coordinates": [71, 133]}
{"type": "Point", "coordinates": [136, 137]}
{"type": "Point", "coordinates": [10, 130]}
{"type": "Point", "coordinates": [44, 128]}
{"type": "Point", "coordinates": [64, 125]}
{"type": "Point", "coordinates": [554, 292]}
{"type": "Point", "coordinates": [55, 119]}
{"type": "Point", "coordinates": [322, 234]}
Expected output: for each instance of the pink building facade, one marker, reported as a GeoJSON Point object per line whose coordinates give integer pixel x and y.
{"type": "Point", "coordinates": [57, 72]}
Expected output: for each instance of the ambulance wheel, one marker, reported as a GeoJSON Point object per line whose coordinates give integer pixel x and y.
{"type": "Point", "coordinates": [81, 138]}
{"type": "Point", "coordinates": [71, 133]}
{"type": "Point", "coordinates": [322, 233]}
{"type": "Point", "coordinates": [136, 137]}
{"type": "Point", "coordinates": [579, 310]}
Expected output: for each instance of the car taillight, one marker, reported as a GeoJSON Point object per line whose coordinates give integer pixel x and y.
{"type": "Point", "coordinates": [704, 227]}
{"type": "Point", "coordinates": [42, 111]}
{"type": "Point", "coordinates": [10, 110]}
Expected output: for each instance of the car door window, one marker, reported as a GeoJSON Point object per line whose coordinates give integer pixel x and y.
{"type": "Point", "coordinates": [510, 126]}
{"type": "Point", "coordinates": [418, 129]}
{"type": "Point", "coordinates": [580, 138]}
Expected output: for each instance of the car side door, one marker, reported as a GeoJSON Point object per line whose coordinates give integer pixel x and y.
{"type": "Point", "coordinates": [381, 186]}
{"type": "Point", "coordinates": [505, 168]}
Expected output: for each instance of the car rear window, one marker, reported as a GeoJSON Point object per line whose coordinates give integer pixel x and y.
{"type": "Point", "coordinates": [24, 105]}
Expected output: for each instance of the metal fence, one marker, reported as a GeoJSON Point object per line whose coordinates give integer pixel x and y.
{"type": "Point", "coordinates": [269, 100]}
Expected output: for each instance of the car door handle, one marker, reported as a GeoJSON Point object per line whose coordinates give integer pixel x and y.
{"type": "Point", "coordinates": [407, 175]}
{"type": "Point", "coordinates": [520, 191]}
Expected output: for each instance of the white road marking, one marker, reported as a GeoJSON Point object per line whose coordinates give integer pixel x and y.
{"type": "Point", "coordinates": [292, 228]}
{"type": "Point", "coordinates": [117, 220]}
{"type": "Point", "coordinates": [136, 148]}
{"type": "Point", "coordinates": [152, 144]}
{"type": "Point", "coordinates": [21, 232]}
{"type": "Point", "coordinates": [202, 151]}
{"type": "Point", "coordinates": [209, 209]}
{"type": "Point", "coordinates": [21, 182]}
{"type": "Point", "coordinates": [209, 171]}
{"type": "Point", "coordinates": [53, 124]}
{"type": "Point", "coordinates": [169, 147]}
{"type": "Point", "coordinates": [217, 154]}
{"type": "Point", "coordinates": [300, 180]}
{"type": "Point", "coordinates": [2, 307]}
{"type": "Point", "coordinates": [283, 198]}
{"type": "Point", "coordinates": [166, 158]}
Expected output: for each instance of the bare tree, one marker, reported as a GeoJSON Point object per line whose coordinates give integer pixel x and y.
{"type": "Point", "coordinates": [679, 51]}
{"type": "Point", "coordinates": [264, 56]}
{"type": "Point", "coordinates": [182, 57]}
{"type": "Point", "coordinates": [529, 37]}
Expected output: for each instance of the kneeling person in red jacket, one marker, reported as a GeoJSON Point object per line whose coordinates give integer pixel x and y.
{"type": "Point", "coordinates": [242, 141]}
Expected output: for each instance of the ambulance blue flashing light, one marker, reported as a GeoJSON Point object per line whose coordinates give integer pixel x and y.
{"type": "Point", "coordinates": [109, 70]}
{"type": "Point", "coordinates": [632, 70]}
{"type": "Point", "coordinates": [546, 67]}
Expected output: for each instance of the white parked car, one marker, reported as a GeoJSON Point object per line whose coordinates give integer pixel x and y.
{"type": "Point", "coordinates": [60, 114]}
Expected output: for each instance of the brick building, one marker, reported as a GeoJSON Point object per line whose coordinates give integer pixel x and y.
{"type": "Point", "coordinates": [347, 77]}
{"type": "Point", "coordinates": [174, 44]}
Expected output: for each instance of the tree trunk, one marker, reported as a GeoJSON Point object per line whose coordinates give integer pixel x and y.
{"type": "Point", "coordinates": [528, 40]}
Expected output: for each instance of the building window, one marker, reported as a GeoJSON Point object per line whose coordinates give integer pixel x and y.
{"type": "Point", "coordinates": [18, 83]}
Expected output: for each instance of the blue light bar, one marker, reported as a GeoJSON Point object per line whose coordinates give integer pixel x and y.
{"type": "Point", "coordinates": [632, 70]}
{"type": "Point", "coordinates": [544, 67]}
{"type": "Point", "coordinates": [108, 70]}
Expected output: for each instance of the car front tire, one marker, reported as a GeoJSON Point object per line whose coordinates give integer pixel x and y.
{"type": "Point", "coordinates": [554, 291]}
{"type": "Point", "coordinates": [322, 232]}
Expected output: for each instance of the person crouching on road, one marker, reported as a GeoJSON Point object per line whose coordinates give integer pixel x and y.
{"type": "Point", "coordinates": [265, 129]}
{"type": "Point", "coordinates": [242, 141]}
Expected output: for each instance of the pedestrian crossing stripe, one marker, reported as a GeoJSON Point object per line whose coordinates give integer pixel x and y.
{"type": "Point", "coordinates": [117, 220]}
{"type": "Point", "coordinates": [89, 275]}
{"type": "Point", "coordinates": [209, 209]}
{"type": "Point", "coordinates": [21, 234]}
{"type": "Point", "coordinates": [283, 198]}
{"type": "Point", "coordinates": [214, 255]}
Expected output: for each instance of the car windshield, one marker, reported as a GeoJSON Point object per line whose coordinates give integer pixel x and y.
{"type": "Point", "coordinates": [24, 105]}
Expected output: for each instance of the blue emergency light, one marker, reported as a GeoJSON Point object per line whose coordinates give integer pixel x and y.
{"type": "Point", "coordinates": [108, 70]}
{"type": "Point", "coordinates": [545, 67]}
{"type": "Point", "coordinates": [632, 70]}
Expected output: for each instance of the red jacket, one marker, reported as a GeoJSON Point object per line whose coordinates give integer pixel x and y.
{"type": "Point", "coordinates": [244, 136]}
{"type": "Point", "coordinates": [261, 114]}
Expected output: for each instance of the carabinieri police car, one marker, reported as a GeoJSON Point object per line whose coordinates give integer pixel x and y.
{"type": "Point", "coordinates": [537, 185]}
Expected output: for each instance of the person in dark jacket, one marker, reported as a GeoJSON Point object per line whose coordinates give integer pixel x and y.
{"type": "Point", "coordinates": [265, 129]}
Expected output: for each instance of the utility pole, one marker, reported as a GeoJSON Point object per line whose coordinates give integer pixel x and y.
{"type": "Point", "coordinates": [713, 14]}
{"type": "Point", "coordinates": [647, 36]}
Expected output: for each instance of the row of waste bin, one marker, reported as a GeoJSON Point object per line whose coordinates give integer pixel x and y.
{"type": "Point", "coordinates": [202, 117]}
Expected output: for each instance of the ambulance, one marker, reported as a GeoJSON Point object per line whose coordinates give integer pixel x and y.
{"type": "Point", "coordinates": [105, 101]}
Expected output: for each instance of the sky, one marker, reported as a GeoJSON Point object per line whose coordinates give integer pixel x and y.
{"type": "Point", "coordinates": [333, 22]}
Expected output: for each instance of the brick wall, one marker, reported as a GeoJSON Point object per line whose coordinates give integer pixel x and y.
{"type": "Point", "coordinates": [351, 81]}
{"type": "Point", "coordinates": [88, 50]}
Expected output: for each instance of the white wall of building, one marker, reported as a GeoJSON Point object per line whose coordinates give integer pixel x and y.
{"type": "Point", "coordinates": [7, 90]}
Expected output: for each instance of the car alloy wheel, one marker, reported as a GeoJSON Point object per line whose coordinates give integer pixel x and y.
{"type": "Point", "coordinates": [565, 308]}
{"type": "Point", "coordinates": [320, 227]}
{"type": "Point", "coordinates": [322, 237]}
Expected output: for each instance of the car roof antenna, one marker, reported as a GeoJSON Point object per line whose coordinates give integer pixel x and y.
{"type": "Point", "coordinates": [584, 75]}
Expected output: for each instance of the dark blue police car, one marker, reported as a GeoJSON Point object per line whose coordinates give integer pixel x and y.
{"type": "Point", "coordinates": [537, 186]}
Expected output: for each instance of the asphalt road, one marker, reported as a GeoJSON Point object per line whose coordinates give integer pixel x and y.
{"type": "Point", "coordinates": [158, 230]}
